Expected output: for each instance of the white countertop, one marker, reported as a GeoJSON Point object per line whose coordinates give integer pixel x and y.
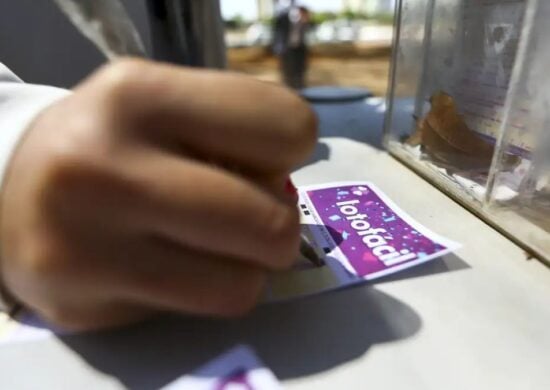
{"type": "Point", "coordinates": [477, 319]}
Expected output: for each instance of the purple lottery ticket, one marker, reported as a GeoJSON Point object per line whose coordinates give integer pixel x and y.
{"type": "Point", "coordinates": [356, 224]}
{"type": "Point", "coordinates": [237, 369]}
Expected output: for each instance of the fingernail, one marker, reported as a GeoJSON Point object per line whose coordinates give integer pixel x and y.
{"type": "Point", "coordinates": [290, 188]}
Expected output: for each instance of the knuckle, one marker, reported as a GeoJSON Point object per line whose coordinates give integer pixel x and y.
{"type": "Point", "coordinates": [63, 317]}
{"type": "Point", "coordinates": [79, 130]}
{"type": "Point", "coordinates": [243, 296]}
{"type": "Point", "coordinates": [44, 259]}
{"type": "Point", "coordinates": [70, 176]}
{"type": "Point", "coordinates": [61, 177]}
{"type": "Point", "coordinates": [56, 314]}
{"type": "Point", "coordinates": [281, 234]}
{"type": "Point", "coordinates": [82, 145]}
{"type": "Point", "coordinates": [301, 129]}
{"type": "Point", "coordinates": [121, 77]}
{"type": "Point", "coordinates": [306, 123]}
{"type": "Point", "coordinates": [61, 168]}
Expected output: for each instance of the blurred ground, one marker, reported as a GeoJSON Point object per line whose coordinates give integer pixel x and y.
{"type": "Point", "coordinates": [348, 64]}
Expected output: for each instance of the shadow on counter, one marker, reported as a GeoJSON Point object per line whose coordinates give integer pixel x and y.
{"type": "Point", "coordinates": [355, 114]}
{"type": "Point", "coordinates": [294, 339]}
{"type": "Point", "coordinates": [448, 263]}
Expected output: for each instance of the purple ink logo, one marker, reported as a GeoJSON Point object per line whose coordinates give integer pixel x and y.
{"type": "Point", "coordinates": [237, 380]}
{"type": "Point", "coordinates": [372, 233]}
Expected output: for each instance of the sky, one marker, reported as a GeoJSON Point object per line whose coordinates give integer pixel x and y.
{"type": "Point", "coordinates": [247, 8]}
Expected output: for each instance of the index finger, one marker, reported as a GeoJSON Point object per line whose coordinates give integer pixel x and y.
{"type": "Point", "coordinates": [228, 118]}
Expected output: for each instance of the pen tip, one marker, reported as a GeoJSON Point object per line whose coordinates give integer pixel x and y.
{"type": "Point", "coordinates": [309, 253]}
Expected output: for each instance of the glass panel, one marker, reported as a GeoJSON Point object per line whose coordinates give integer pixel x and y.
{"type": "Point", "coordinates": [469, 108]}
{"type": "Point", "coordinates": [521, 199]}
{"type": "Point", "coordinates": [466, 52]}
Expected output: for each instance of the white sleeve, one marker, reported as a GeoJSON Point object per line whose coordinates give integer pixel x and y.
{"type": "Point", "coordinates": [20, 103]}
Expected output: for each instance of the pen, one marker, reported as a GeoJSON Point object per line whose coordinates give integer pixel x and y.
{"type": "Point", "coordinates": [305, 248]}
{"type": "Point", "coordinates": [108, 26]}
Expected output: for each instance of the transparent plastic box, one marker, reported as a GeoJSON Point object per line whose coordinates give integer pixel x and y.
{"type": "Point", "coordinates": [469, 108]}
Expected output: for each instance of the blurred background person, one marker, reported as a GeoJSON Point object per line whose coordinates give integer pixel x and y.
{"type": "Point", "coordinates": [291, 26]}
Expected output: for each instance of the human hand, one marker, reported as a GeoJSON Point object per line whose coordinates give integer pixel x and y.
{"type": "Point", "coordinates": [153, 188]}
